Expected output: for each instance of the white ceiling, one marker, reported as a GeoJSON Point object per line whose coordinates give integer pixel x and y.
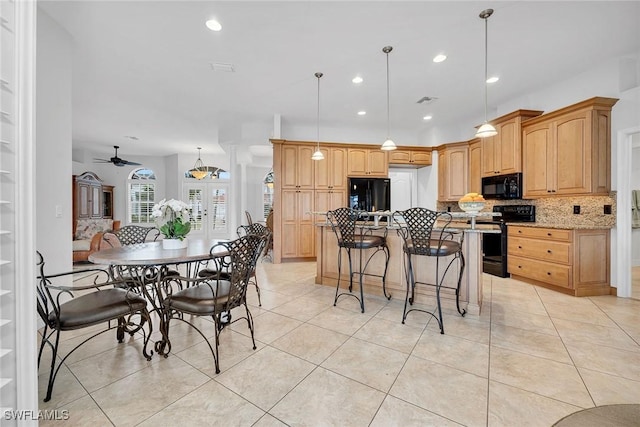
{"type": "Point", "coordinates": [142, 68]}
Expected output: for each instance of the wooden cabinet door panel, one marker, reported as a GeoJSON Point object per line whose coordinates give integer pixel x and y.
{"type": "Point", "coordinates": [357, 161]}
{"type": "Point", "coordinates": [306, 240]}
{"type": "Point", "coordinates": [458, 170]}
{"type": "Point", "coordinates": [289, 208]}
{"type": "Point", "coordinates": [540, 233]}
{"type": "Point", "coordinates": [592, 246]}
{"type": "Point", "coordinates": [305, 167]}
{"type": "Point", "coordinates": [323, 170]}
{"type": "Point", "coordinates": [573, 155]}
{"type": "Point", "coordinates": [289, 171]}
{"type": "Point", "coordinates": [475, 160]}
{"type": "Point", "coordinates": [421, 158]}
{"type": "Point", "coordinates": [378, 165]}
{"type": "Point", "coordinates": [537, 156]}
{"type": "Point", "coordinates": [289, 244]}
{"type": "Point", "coordinates": [402, 157]}
{"type": "Point", "coordinates": [338, 172]}
{"type": "Point", "coordinates": [509, 153]}
{"type": "Point", "coordinates": [489, 147]}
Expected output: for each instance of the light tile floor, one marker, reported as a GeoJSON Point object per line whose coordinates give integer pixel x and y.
{"type": "Point", "coordinates": [531, 358]}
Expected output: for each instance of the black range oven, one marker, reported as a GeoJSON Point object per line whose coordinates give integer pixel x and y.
{"type": "Point", "coordinates": [494, 245]}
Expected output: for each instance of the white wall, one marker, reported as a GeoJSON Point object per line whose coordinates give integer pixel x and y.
{"type": "Point", "coordinates": [53, 144]}
{"type": "Point", "coordinates": [635, 185]}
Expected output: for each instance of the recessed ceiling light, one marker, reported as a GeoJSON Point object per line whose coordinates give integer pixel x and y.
{"type": "Point", "coordinates": [357, 80]}
{"type": "Point", "coordinates": [213, 25]}
{"type": "Point", "coordinates": [439, 58]}
{"type": "Point", "coordinates": [493, 79]}
{"type": "Point", "coordinates": [427, 118]}
{"type": "Point", "coordinates": [362, 113]}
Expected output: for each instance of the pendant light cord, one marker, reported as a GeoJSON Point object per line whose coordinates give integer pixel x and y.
{"type": "Point", "coordinates": [318, 75]}
{"type": "Point", "coordinates": [388, 104]}
{"type": "Point", "coordinates": [486, 68]}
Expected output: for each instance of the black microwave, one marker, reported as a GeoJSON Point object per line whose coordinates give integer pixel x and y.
{"type": "Point", "coordinates": [502, 186]}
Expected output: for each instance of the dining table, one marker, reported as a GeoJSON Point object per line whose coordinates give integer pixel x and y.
{"type": "Point", "coordinates": [144, 267]}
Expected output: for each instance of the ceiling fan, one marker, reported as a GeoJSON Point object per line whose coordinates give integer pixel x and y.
{"type": "Point", "coordinates": [117, 160]}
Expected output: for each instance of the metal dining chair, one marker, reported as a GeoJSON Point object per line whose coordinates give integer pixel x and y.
{"type": "Point", "coordinates": [355, 236]}
{"type": "Point", "coordinates": [62, 308]}
{"type": "Point", "coordinates": [427, 233]}
{"type": "Point", "coordinates": [212, 295]}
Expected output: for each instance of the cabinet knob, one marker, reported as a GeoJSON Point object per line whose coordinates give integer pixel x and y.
{"type": "Point", "coordinates": [519, 266]}
{"type": "Point", "coordinates": [548, 273]}
{"type": "Point", "coordinates": [549, 234]}
{"type": "Point", "coordinates": [519, 231]}
{"type": "Point", "coordinates": [519, 247]}
{"type": "Point", "coordinates": [548, 251]}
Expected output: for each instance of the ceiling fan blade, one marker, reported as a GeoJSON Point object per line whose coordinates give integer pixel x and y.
{"type": "Point", "coordinates": [127, 162]}
{"type": "Point", "coordinates": [101, 160]}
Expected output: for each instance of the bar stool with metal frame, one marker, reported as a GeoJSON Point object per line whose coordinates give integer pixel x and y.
{"type": "Point", "coordinates": [353, 231]}
{"type": "Point", "coordinates": [416, 227]}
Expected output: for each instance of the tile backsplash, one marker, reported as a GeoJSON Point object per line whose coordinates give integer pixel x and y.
{"type": "Point", "coordinates": [558, 211]}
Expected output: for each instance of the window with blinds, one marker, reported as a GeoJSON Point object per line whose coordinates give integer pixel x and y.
{"type": "Point", "coordinates": [142, 196]}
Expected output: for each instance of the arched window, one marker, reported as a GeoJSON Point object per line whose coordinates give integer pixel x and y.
{"type": "Point", "coordinates": [141, 188]}
{"type": "Point", "coordinates": [267, 194]}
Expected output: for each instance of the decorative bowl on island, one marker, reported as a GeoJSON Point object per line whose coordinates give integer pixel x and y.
{"type": "Point", "coordinates": [471, 203]}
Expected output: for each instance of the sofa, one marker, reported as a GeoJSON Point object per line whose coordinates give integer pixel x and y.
{"type": "Point", "coordinates": [87, 236]}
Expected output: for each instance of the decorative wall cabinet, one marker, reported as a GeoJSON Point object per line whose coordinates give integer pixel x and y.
{"type": "Point", "coordinates": [502, 153]}
{"type": "Point", "coordinates": [91, 199]}
{"type": "Point", "coordinates": [568, 151]}
{"type": "Point", "coordinates": [475, 159]}
{"type": "Point", "coordinates": [415, 157]}
{"type": "Point", "coordinates": [453, 171]}
{"type": "Point", "coordinates": [575, 262]}
{"type": "Point", "coordinates": [369, 162]}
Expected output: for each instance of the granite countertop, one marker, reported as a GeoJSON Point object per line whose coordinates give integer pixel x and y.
{"type": "Point", "coordinates": [562, 226]}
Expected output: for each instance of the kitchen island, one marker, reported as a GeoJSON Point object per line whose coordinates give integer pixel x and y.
{"type": "Point", "coordinates": [424, 267]}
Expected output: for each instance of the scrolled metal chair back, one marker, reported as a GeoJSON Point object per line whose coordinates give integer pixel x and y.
{"type": "Point", "coordinates": [130, 235]}
{"type": "Point", "coordinates": [343, 223]}
{"type": "Point", "coordinates": [415, 226]}
{"type": "Point", "coordinates": [241, 261]}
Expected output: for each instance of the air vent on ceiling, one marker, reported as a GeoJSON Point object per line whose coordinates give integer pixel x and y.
{"type": "Point", "coordinates": [221, 66]}
{"type": "Point", "coordinates": [427, 100]}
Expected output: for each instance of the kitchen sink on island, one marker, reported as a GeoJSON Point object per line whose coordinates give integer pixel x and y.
{"type": "Point", "coordinates": [424, 267]}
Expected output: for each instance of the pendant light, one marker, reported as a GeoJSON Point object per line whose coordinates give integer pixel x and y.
{"type": "Point", "coordinates": [318, 154]}
{"type": "Point", "coordinates": [486, 130]}
{"type": "Point", "coordinates": [388, 145]}
{"type": "Point", "coordinates": [199, 171]}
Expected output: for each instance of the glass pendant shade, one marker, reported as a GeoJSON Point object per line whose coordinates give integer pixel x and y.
{"type": "Point", "coordinates": [317, 155]}
{"type": "Point", "coordinates": [485, 131]}
{"type": "Point", "coordinates": [388, 145]}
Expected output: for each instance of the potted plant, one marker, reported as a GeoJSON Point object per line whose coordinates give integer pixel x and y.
{"type": "Point", "coordinates": [172, 218]}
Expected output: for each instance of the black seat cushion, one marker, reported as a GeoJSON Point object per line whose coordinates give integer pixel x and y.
{"type": "Point", "coordinates": [97, 307]}
{"type": "Point", "coordinates": [207, 272]}
{"type": "Point", "coordinates": [364, 242]}
{"type": "Point", "coordinates": [434, 248]}
{"type": "Point", "coordinates": [200, 300]}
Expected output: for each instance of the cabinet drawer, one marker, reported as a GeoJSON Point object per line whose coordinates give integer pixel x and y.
{"type": "Point", "coordinates": [553, 274]}
{"type": "Point", "coordinates": [545, 250]}
{"type": "Point", "coordinates": [539, 233]}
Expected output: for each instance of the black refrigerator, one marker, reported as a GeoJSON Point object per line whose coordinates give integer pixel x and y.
{"type": "Point", "coordinates": [370, 194]}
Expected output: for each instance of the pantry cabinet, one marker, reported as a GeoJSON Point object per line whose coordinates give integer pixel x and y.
{"type": "Point", "coordinates": [475, 159]}
{"type": "Point", "coordinates": [568, 151]}
{"type": "Point", "coordinates": [574, 261]}
{"type": "Point", "coordinates": [331, 179]}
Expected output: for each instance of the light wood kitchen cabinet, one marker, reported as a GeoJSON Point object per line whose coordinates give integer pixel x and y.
{"type": "Point", "coordinates": [453, 171]}
{"type": "Point", "coordinates": [475, 159]}
{"type": "Point", "coordinates": [568, 151]}
{"type": "Point", "coordinates": [415, 157]}
{"type": "Point", "coordinates": [367, 162]}
{"type": "Point", "coordinates": [571, 261]}
{"type": "Point", "coordinates": [298, 224]}
{"type": "Point", "coordinates": [331, 173]}
{"type": "Point", "coordinates": [297, 167]}
{"type": "Point", "coordinates": [294, 198]}
{"type": "Point", "coordinates": [502, 153]}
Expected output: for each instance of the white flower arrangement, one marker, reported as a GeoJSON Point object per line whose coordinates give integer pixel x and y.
{"type": "Point", "coordinates": [172, 218]}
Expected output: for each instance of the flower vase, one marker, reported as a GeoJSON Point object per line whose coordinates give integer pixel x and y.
{"type": "Point", "coordinates": [174, 243]}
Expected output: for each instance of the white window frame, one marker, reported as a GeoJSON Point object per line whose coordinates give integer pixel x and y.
{"type": "Point", "coordinates": [148, 181]}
